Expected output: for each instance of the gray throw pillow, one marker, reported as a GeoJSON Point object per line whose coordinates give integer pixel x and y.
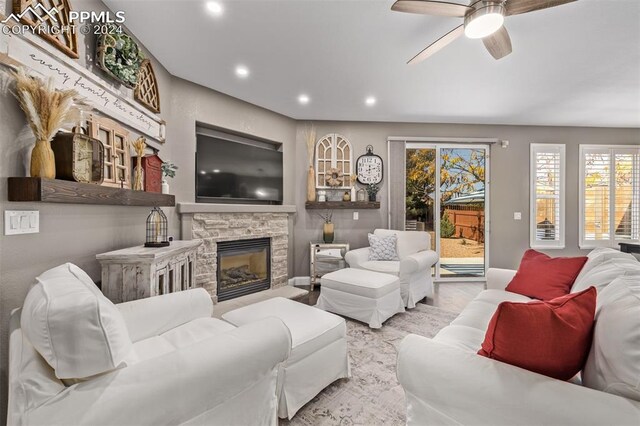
{"type": "Point", "coordinates": [383, 248]}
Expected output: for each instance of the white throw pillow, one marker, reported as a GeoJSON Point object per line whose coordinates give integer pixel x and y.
{"type": "Point", "coordinates": [605, 271]}
{"type": "Point", "coordinates": [383, 248]}
{"type": "Point", "coordinates": [75, 328]}
{"type": "Point", "coordinates": [598, 256]}
{"type": "Point", "coordinates": [613, 365]}
{"type": "Point", "coordinates": [409, 242]}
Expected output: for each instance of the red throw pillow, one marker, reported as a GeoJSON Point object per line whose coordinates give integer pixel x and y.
{"type": "Point", "coordinates": [542, 277]}
{"type": "Point", "coordinates": [551, 338]}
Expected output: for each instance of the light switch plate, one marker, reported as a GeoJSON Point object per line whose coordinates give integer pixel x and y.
{"type": "Point", "coordinates": [356, 215]}
{"type": "Point", "coordinates": [21, 222]}
{"type": "Point", "coordinates": [517, 216]}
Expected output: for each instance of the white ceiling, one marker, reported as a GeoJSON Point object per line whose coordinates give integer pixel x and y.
{"type": "Point", "coordinates": [576, 64]}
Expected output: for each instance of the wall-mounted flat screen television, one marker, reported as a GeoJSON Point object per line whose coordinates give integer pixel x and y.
{"type": "Point", "coordinates": [237, 169]}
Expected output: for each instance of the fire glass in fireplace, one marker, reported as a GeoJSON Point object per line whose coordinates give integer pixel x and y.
{"type": "Point", "coordinates": [244, 267]}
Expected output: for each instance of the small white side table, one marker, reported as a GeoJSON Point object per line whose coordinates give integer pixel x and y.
{"type": "Point", "coordinates": [138, 272]}
{"type": "Point", "coordinates": [325, 258]}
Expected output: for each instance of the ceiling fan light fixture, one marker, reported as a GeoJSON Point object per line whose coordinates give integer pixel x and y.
{"type": "Point", "coordinates": [484, 21]}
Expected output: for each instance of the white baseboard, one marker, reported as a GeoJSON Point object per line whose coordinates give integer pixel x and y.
{"type": "Point", "coordinates": [299, 281]}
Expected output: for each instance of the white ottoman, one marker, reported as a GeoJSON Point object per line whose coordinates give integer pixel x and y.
{"type": "Point", "coordinates": [318, 349]}
{"type": "Point", "coordinates": [370, 297]}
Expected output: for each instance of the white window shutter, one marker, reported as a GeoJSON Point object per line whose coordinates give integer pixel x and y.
{"type": "Point", "coordinates": [609, 195]}
{"type": "Point", "coordinates": [547, 208]}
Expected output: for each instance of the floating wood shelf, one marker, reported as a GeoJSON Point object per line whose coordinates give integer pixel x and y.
{"type": "Point", "coordinates": [68, 192]}
{"type": "Point", "coordinates": [335, 205]}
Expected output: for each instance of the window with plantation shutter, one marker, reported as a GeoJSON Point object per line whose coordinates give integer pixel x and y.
{"type": "Point", "coordinates": [609, 195]}
{"type": "Point", "coordinates": [547, 196]}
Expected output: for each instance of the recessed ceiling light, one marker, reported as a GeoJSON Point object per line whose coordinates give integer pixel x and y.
{"type": "Point", "coordinates": [370, 101]}
{"type": "Point", "coordinates": [214, 8]}
{"type": "Point", "coordinates": [242, 71]}
{"type": "Point", "coordinates": [202, 172]}
{"type": "Point", "coordinates": [303, 99]}
{"type": "Point", "coordinates": [216, 170]}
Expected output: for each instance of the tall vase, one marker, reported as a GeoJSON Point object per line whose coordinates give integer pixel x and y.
{"type": "Point", "coordinates": [328, 232]}
{"type": "Point", "coordinates": [43, 162]}
{"type": "Point", "coordinates": [138, 173]}
{"type": "Point", "coordinates": [311, 184]}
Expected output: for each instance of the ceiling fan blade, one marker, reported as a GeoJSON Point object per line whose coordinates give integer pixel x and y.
{"type": "Point", "coordinates": [437, 45]}
{"type": "Point", "coordinates": [517, 7]}
{"type": "Point", "coordinates": [426, 7]}
{"type": "Point", "coordinates": [498, 43]}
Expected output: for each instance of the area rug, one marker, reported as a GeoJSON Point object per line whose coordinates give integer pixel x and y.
{"type": "Point", "coordinates": [373, 395]}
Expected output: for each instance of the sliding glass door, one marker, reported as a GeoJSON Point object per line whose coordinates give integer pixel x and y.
{"type": "Point", "coordinates": [447, 191]}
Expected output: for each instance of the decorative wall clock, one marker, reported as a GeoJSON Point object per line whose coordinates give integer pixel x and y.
{"type": "Point", "coordinates": [79, 157]}
{"type": "Point", "coordinates": [369, 167]}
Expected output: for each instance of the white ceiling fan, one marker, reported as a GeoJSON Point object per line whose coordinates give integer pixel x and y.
{"type": "Point", "coordinates": [483, 19]}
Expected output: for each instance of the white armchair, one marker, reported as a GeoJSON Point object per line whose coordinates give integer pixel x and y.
{"type": "Point", "coordinates": [187, 368]}
{"type": "Point", "coordinates": [413, 268]}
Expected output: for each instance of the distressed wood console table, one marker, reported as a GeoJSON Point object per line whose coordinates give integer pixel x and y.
{"type": "Point", "coordinates": [139, 272]}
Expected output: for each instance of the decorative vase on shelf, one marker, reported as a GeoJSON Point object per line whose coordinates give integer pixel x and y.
{"type": "Point", "coordinates": [328, 232]}
{"type": "Point", "coordinates": [372, 197]}
{"type": "Point", "coordinates": [346, 196]}
{"type": "Point", "coordinates": [43, 162]}
{"type": "Point", "coordinates": [311, 184]}
{"type": "Point", "coordinates": [138, 177]}
{"type": "Point", "coordinates": [165, 186]}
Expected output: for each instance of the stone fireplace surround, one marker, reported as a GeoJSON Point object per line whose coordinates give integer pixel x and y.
{"type": "Point", "coordinates": [221, 222]}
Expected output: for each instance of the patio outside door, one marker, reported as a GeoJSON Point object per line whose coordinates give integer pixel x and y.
{"type": "Point", "coordinates": [447, 190]}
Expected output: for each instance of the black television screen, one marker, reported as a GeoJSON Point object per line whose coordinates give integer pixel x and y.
{"type": "Point", "coordinates": [237, 171]}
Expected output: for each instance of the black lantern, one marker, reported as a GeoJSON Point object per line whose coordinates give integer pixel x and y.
{"type": "Point", "coordinates": [157, 225]}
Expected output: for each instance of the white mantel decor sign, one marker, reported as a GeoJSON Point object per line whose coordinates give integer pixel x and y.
{"type": "Point", "coordinates": [30, 52]}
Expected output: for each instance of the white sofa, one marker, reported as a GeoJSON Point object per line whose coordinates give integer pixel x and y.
{"type": "Point", "coordinates": [413, 268]}
{"type": "Point", "coordinates": [446, 382]}
{"type": "Point", "coordinates": [185, 368]}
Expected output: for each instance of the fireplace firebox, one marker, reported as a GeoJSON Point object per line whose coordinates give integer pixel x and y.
{"type": "Point", "coordinates": [244, 267]}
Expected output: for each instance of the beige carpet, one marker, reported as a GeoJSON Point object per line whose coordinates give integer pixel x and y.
{"type": "Point", "coordinates": [373, 395]}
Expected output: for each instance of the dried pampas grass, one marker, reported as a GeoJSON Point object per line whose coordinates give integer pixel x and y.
{"type": "Point", "coordinates": [47, 109]}
{"type": "Point", "coordinates": [310, 135]}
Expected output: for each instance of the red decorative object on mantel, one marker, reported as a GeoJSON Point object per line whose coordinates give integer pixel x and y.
{"type": "Point", "coordinates": [151, 164]}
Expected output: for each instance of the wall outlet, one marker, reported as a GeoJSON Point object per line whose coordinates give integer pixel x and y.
{"type": "Point", "coordinates": [21, 222]}
{"type": "Point", "coordinates": [517, 216]}
{"type": "Point", "coordinates": [356, 215]}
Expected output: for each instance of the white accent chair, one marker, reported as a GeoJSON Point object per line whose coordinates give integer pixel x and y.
{"type": "Point", "coordinates": [413, 268]}
{"type": "Point", "coordinates": [185, 367]}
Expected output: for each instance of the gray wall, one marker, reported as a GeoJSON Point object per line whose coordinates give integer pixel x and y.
{"type": "Point", "coordinates": [509, 182]}
{"type": "Point", "coordinates": [76, 233]}
{"type": "Point", "coordinates": [68, 233]}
